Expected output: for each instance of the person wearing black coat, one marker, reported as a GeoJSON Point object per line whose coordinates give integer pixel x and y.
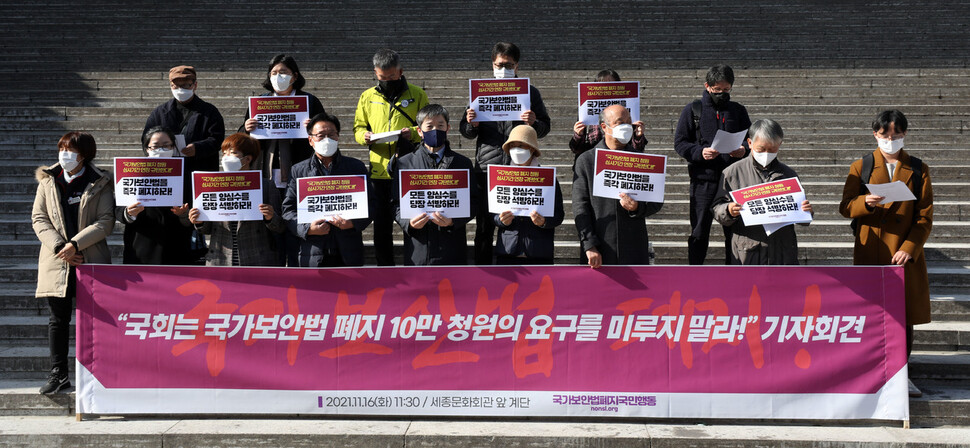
{"type": "Point", "coordinates": [199, 122]}
{"type": "Point", "coordinates": [491, 135]}
{"type": "Point", "coordinates": [157, 235]}
{"type": "Point", "coordinates": [338, 241]}
{"type": "Point", "coordinates": [692, 140]}
{"type": "Point", "coordinates": [611, 231]}
{"type": "Point", "coordinates": [283, 78]}
{"type": "Point", "coordinates": [434, 239]}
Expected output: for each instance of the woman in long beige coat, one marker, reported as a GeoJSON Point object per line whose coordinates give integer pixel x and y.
{"type": "Point", "coordinates": [73, 214]}
{"type": "Point", "coordinates": [893, 233]}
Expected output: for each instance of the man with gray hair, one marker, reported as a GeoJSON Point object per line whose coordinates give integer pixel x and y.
{"type": "Point", "coordinates": [751, 245]}
{"type": "Point", "coordinates": [389, 106]}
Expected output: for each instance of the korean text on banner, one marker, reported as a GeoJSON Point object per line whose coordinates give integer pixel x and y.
{"type": "Point", "coordinates": [521, 189]}
{"type": "Point", "coordinates": [772, 203]}
{"type": "Point", "coordinates": [642, 176]}
{"type": "Point", "coordinates": [327, 196]}
{"type": "Point", "coordinates": [152, 181]}
{"type": "Point", "coordinates": [596, 96]}
{"type": "Point", "coordinates": [279, 116]}
{"type": "Point", "coordinates": [429, 191]}
{"type": "Point", "coordinates": [227, 196]}
{"type": "Point", "coordinates": [499, 99]}
{"type": "Point", "coordinates": [818, 342]}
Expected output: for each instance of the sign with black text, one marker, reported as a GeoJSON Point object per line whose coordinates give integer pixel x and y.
{"type": "Point", "coordinates": [151, 181]}
{"type": "Point", "coordinates": [521, 189]}
{"type": "Point", "coordinates": [227, 196]}
{"type": "Point", "coordinates": [428, 191]}
{"type": "Point", "coordinates": [324, 197]}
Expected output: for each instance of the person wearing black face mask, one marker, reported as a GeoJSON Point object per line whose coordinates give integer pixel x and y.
{"type": "Point", "coordinates": [698, 124]}
{"type": "Point", "coordinates": [391, 105]}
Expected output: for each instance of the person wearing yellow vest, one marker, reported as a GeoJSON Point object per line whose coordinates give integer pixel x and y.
{"type": "Point", "coordinates": [390, 106]}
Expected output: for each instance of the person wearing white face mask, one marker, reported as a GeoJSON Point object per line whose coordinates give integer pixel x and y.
{"type": "Point", "coordinates": [750, 245]}
{"type": "Point", "coordinates": [195, 122]}
{"type": "Point", "coordinates": [893, 233]}
{"type": "Point", "coordinates": [586, 137]}
{"type": "Point", "coordinates": [526, 239]}
{"type": "Point", "coordinates": [491, 135]}
{"type": "Point", "coordinates": [157, 235]}
{"type": "Point", "coordinates": [72, 216]}
{"type": "Point", "coordinates": [336, 241]}
{"type": "Point", "coordinates": [243, 243]}
{"type": "Point", "coordinates": [611, 231]}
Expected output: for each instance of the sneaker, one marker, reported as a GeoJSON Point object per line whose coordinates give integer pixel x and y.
{"type": "Point", "coordinates": [56, 382]}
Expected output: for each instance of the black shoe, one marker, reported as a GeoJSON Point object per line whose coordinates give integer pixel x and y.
{"type": "Point", "coordinates": [56, 382]}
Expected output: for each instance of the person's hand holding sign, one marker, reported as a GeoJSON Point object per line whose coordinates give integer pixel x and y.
{"type": "Point", "coordinates": [537, 219]}
{"type": "Point", "coordinates": [595, 258]}
{"type": "Point", "coordinates": [807, 207]}
{"type": "Point", "coordinates": [341, 223]}
{"type": "Point", "coordinates": [628, 203]}
{"type": "Point", "coordinates": [134, 209]}
{"type": "Point", "coordinates": [470, 117]}
{"type": "Point", "coordinates": [441, 220]}
{"type": "Point", "coordinates": [180, 211]}
{"type": "Point", "coordinates": [194, 216]}
{"type": "Point", "coordinates": [419, 221]}
{"type": "Point", "coordinates": [579, 129]}
{"type": "Point", "coordinates": [319, 227]}
{"type": "Point", "coordinates": [734, 209]}
{"type": "Point", "coordinates": [252, 123]}
{"type": "Point", "coordinates": [506, 217]}
{"type": "Point", "coordinates": [267, 211]}
{"type": "Point", "coordinates": [528, 116]}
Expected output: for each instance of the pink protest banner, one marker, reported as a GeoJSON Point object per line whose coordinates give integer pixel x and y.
{"type": "Point", "coordinates": [748, 342]}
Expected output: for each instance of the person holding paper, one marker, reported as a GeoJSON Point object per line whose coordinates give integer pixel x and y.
{"type": "Point", "coordinates": [526, 239]}
{"type": "Point", "coordinates": [337, 241]}
{"type": "Point", "coordinates": [751, 245]}
{"type": "Point", "coordinates": [611, 231]}
{"type": "Point", "coordinates": [698, 125]}
{"type": "Point", "coordinates": [157, 235]}
{"type": "Point", "coordinates": [586, 137]}
{"type": "Point", "coordinates": [434, 238]}
{"type": "Point", "coordinates": [283, 78]}
{"type": "Point", "coordinates": [243, 243]}
{"type": "Point", "coordinates": [198, 125]}
{"type": "Point", "coordinates": [390, 106]}
{"type": "Point", "coordinates": [73, 214]}
{"type": "Point", "coordinates": [895, 232]}
{"type": "Point", "coordinates": [491, 136]}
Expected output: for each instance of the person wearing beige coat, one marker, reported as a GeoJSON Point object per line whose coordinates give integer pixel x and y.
{"type": "Point", "coordinates": [73, 214]}
{"type": "Point", "coordinates": [893, 233]}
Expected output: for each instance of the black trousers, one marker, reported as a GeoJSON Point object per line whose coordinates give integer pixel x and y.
{"type": "Point", "coordinates": [59, 326]}
{"type": "Point", "coordinates": [384, 221]}
{"type": "Point", "coordinates": [484, 226]}
{"type": "Point", "coordinates": [505, 260]}
{"type": "Point", "coordinates": [701, 217]}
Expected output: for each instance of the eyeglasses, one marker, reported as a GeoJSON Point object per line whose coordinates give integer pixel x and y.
{"type": "Point", "coordinates": [508, 65]}
{"type": "Point", "coordinates": [321, 136]}
{"type": "Point", "coordinates": [160, 148]}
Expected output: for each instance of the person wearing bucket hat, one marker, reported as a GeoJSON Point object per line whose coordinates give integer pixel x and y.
{"type": "Point", "coordinates": [611, 231]}
{"type": "Point", "coordinates": [526, 239]}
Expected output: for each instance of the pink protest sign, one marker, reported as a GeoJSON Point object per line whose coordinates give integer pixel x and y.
{"type": "Point", "coordinates": [748, 342]}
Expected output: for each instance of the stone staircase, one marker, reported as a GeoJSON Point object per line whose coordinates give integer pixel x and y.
{"type": "Point", "coordinates": [822, 69]}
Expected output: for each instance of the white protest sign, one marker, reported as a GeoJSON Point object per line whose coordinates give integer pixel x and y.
{"type": "Point", "coordinates": [428, 191]}
{"type": "Point", "coordinates": [152, 181]}
{"type": "Point", "coordinates": [499, 99]}
{"type": "Point", "coordinates": [642, 176]}
{"type": "Point", "coordinates": [596, 96]}
{"type": "Point", "coordinates": [227, 196]}
{"type": "Point", "coordinates": [521, 189]}
{"type": "Point", "coordinates": [324, 197]}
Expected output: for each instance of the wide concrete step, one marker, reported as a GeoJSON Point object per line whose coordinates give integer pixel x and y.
{"type": "Point", "coordinates": [370, 432]}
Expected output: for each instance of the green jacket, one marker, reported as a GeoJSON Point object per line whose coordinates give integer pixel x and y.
{"type": "Point", "coordinates": [375, 114]}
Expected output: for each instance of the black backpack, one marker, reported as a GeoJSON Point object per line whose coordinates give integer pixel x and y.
{"type": "Point", "coordinates": [868, 161]}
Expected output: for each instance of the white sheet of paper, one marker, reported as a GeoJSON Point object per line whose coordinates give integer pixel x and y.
{"type": "Point", "coordinates": [893, 191]}
{"type": "Point", "coordinates": [725, 142]}
{"type": "Point", "coordinates": [385, 137]}
{"type": "Point", "coordinates": [180, 141]}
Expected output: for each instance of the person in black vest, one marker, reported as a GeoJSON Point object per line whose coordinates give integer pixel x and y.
{"type": "Point", "coordinates": [698, 124]}
{"type": "Point", "coordinates": [277, 156]}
